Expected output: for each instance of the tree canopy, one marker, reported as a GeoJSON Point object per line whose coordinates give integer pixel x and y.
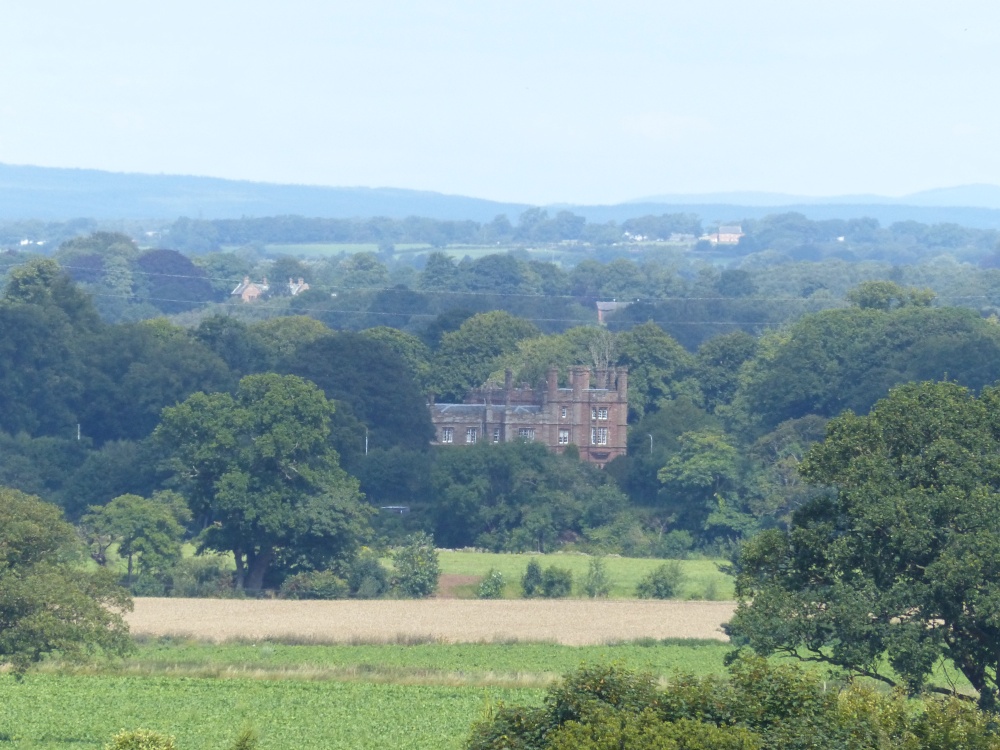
{"type": "Point", "coordinates": [898, 564]}
{"type": "Point", "coordinates": [258, 470]}
{"type": "Point", "coordinates": [48, 601]}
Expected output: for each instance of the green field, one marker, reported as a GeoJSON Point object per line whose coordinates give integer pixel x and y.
{"type": "Point", "coordinates": [83, 712]}
{"type": "Point", "coordinates": [300, 697]}
{"type": "Point", "coordinates": [702, 578]}
{"type": "Point", "coordinates": [513, 664]}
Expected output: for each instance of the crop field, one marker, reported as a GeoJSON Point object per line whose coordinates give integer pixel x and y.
{"type": "Point", "coordinates": [574, 622]}
{"type": "Point", "coordinates": [51, 711]}
{"type": "Point", "coordinates": [702, 578]}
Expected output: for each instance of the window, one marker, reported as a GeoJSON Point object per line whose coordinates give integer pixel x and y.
{"type": "Point", "coordinates": [602, 413]}
{"type": "Point", "coordinates": [593, 412]}
{"type": "Point", "coordinates": [563, 437]}
{"type": "Point", "coordinates": [598, 435]}
{"type": "Point", "coordinates": [526, 433]}
{"type": "Point", "coordinates": [447, 435]}
{"type": "Point", "coordinates": [496, 434]}
{"type": "Point", "coordinates": [470, 435]}
{"type": "Point", "coordinates": [563, 413]}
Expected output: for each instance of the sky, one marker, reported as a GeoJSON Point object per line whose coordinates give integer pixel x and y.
{"type": "Point", "coordinates": [541, 102]}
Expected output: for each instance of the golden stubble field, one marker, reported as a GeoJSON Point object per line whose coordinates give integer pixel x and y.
{"type": "Point", "coordinates": [574, 622]}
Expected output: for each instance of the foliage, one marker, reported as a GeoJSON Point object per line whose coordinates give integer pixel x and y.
{"type": "Point", "coordinates": [557, 582]}
{"type": "Point", "coordinates": [898, 565]}
{"type": "Point", "coordinates": [596, 583]}
{"type": "Point", "coordinates": [258, 469]}
{"type": "Point", "coordinates": [517, 496]}
{"type": "Point", "coordinates": [531, 581]}
{"type": "Point", "coordinates": [48, 602]}
{"type": "Point", "coordinates": [466, 357]}
{"type": "Point", "coordinates": [314, 584]}
{"type": "Point", "coordinates": [623, 572]}
{"type": "Point", "coordinates": [141, 739]}
{"type": "Point", "coordinates": [663, 583]}
{"type": "Point", "coordinates": [416, 567]}
{"type": "Point", "coordinates": [606, 707]}
{"type": "Point", "coordinates": [367, 578]}
{"type": "Point", "coordinates": [209, 576]}
{"type": "Point", "coordinates": [491, 586]}
{"type": "Point", "coordinates": [148, 531]}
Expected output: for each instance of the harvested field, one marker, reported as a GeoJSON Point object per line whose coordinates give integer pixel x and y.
{"type": "Point", "coordinates": [573, 622]}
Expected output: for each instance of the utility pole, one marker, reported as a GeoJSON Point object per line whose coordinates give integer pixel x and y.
{"type": "Point", "coordinates": [650, 443]}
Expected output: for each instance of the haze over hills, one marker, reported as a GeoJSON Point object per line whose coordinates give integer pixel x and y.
{"type": "Point", "coordinates": [44, 193]}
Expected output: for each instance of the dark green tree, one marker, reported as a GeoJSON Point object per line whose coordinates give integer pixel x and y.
{"type": "Point", "coordinates": [147, 531]}
{"type": "Point", "coordinates": [898, 565]}
{"type": "Point", "coordinates": [49, 602]}
{"type": "Point", "coordinates": [466, 357]}
{"type": "Point", "coordinates": [258, 471]}
{"type": "Point", "coordinates": [417, 567]}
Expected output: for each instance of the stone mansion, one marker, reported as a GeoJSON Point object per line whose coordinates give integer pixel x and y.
{"type": "Point", "coordinates": [589, 414]}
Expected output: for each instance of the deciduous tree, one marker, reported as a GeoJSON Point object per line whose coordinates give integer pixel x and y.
{"type": "Point", "coordinates": [898, 565]}
{"type": "Point", "coordinates": [259, 471]}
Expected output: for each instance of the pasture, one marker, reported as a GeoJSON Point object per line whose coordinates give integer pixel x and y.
{"type": "Point", "coordinates": [702, 578]}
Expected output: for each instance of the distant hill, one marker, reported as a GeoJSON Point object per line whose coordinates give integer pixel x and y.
{"type": "Point", "coordinates": [58, 194]}
{"type": "Point", "coordinates": [28, 192]}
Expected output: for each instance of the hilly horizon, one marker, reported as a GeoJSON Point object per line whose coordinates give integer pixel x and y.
{"type": "Point", "coordinates": [57, 194]}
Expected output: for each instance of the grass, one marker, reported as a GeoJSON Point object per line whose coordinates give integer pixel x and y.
{"type": "Point", "coordinates": [512, 664]}
{"type": "Point", "coordinates": [701, 577]}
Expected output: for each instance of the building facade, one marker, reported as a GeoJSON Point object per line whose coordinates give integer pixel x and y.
{"type": "Point", "coordinates": [591, 414]}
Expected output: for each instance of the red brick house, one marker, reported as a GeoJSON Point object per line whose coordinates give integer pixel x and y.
{"type": "Point", "coordinates": [592, 415]}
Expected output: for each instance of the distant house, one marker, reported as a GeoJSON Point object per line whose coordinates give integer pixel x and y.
{"type": "Point", "coordinates": [250, 291]}
{"type": "Point", "coordinates": [592, 416]}
{"type": "Point", "coordinates": [728, 234]}
{"type": "Point", "coordinates": [296, 287]}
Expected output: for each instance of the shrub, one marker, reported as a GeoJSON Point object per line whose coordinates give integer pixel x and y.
{"type": "Point", "coordinates": [675, 544]}
{"type": "Point", "coordinates": [556, 582]}
{"type": "Point", "coordinates": [140, 739]}
{"type": "Point", "coordinates": [761, 705]}
{"type": "Point", "coordinates": [202, 576]}
{"type": "Point", "coordinates": [491, 587]}
{"type": "Point", "coordinates": [417, 567]}
{"type": "Point", "coordinates": [314, 584]}
{"type": "Point", "coordinates": [662, 583]}
{"type": "Point", "coordinates": [367, 578]}
{"type": "Point", "coordinates": [596, 583]}
{"type": "Point", "coordinates": [531, 581]}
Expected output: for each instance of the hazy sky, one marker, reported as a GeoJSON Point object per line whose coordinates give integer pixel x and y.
{"type": "Point", "coordinates": [542, 101]}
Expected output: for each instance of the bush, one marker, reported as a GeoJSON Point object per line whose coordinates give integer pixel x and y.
{"type": "Point", "coordinates": [761, 705]}
{"type": "Point", "coordinates": [531, 581]}
{"type": "Point", "coordinates": [675, 545]}
{"type": "Point", "coordinates": [314, 584]}
{"type": "Point", "coordinates": [596, 583]}
{"type": "Point", "coordinates": [140, 739]}
{"type": "Point", "coordinates": [491, 587]}
{"type": "Point", "coordinates": [417, 567]}
{"type": "Point", "coordinates": [202, 576]}
{"type": "Point", "coordinates": [556, 582]}
{"type": "Point", "coordinates": [367, 578]}
{"type": "Point", "coordinates": [662, 583]}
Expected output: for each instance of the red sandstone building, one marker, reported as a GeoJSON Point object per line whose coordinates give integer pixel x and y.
{"type": "Point", "coordinates": [589, 415]}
